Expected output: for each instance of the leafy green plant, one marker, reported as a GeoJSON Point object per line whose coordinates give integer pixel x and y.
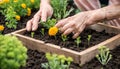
{"type": "Point", "coordinates": [42, 31]}
{"type": "Point", "coordinates": [57, 61]}
{"type": "Point", "coordinates": [64, 37]}
{"type": "Point", "coordinates": [32, 34]}
{"type": "Point", "coordinates": [78, 41]}
{"type": "Point", "coordinates": [89, 38]}
{"type": "Point", "coordinates": [104, 55]}
{"type": "Point", "coordinates": [12, 53]}
{"type": "Point", "coordinates": [49, 23]}
{"type": "Point", "coordinates": [60, 8]}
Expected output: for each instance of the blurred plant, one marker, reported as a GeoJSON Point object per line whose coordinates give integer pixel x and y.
{"type": "Point", "coordinates": [53, 31]}
{"type": "Point", "coordinates": [60, 8]}
{"type": "Point", "coordinates": [1, 29]}
{"type": "Point", "coordinates": [64, 37]}
{"type": "Point", "coordinates": [42, 31]}
{"type": "Point", "coordinates": [57, 61]}
{"type": "Point", "coordinates": [12, 53]}
{"type": "Point", "coordinates": [104, 55]}
{"type": "Point", "coordinates": [32, 34]}
{"type": "Point", "coordinates": [78, 41]}
{"type": "Point", "coordinates": [12, 8]}
{"type": "Point", "coordinates": [49, 23]}
{"type": "Point", "coordinates": [89, 38]}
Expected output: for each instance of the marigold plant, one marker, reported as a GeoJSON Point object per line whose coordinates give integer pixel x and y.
{"type": "Point", "coordinates": [1, 27]}
{"type": "Point", "coordinates": [17, 17]}
{"type": "Point", "coordinates": [53, 31]}
{"type": "Point", "coordinates": [23, 5]}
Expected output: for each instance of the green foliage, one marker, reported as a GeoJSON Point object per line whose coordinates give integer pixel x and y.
{"type": "Point", "coordinates": [64, 37]}
{"type": "Point", "coordinates": [89, 38]}
{"type": "Point", "coordinates": [78, 41]}
{"type": "Point", "coordinates": [32, 34]}
{"type": "Point", "coordinates": [42, 31]}
{"type": "Point", "coordinates": [12, 53]}
{"type": "Point", "coordinates": [57, 61]}
{"type": "Point", "coordinates": [104, 55]}
{"type": "Point", "coordinates": [60, 8]}
{"type": "Point", "coordinates": [49, 23]}
{"type": "Point", "coordinates": [11, 8]}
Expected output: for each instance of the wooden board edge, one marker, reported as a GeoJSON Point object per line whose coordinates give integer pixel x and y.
{"type": "Point", "coordinates": [21, 31]}
{"type": "Point", "coordinates": [88, 54]}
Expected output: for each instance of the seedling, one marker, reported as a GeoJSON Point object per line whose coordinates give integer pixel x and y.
{"type": "Point", "coordinates": [78, 41]}
{"type": "Point", "coordinates": [89, 38]}
{"type": "Point", "coordinates": [64, 38]}
{"type": "Point", "coordinates": [32, 34]}
{"type": "Point", "coordinates": [42, 31]}
{"type": "Point", "coordinates": [104, 55]}
{"type": "Point", "coordinates": [57, 61]}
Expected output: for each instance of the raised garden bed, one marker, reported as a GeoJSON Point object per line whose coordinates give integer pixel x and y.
{"type": "Point", "coordinates": [79, 57]}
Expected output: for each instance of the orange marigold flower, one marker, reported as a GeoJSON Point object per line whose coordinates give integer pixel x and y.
{"type": "Point", "coordinates": [53, 31]}
{"type": "Point", "coordinates": [23, 5]}
{"type": "Point", "coordinates": [32, 1]}
{"type": "Point", "coordinates": [28, 11]}
{"type": "Point", "coordinates": [17, 17]}
{"type": "Point", "coordinates": [1, 27]}
{"type": "Point", "coordinates": [5, 1]}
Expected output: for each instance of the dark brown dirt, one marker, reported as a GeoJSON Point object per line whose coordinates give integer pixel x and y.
{"type": "Point", "coordinates": [96, 38]}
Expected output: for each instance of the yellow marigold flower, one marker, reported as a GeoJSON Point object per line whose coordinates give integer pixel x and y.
{"type": "Point", "coordinates": [5, 1]}
{"type": "Point", "coordinates": [15, 1]}
{"type": "Point", "coordinates": [1, 27]}
{"type": "Point", "coordinates": [32, 1]}
{"type": "Point", "coordinates": [28, 11]}
{"type": "Point", "coordinates": [53, 31]}
{"type": "Point", "coordinates": [23, 5]}
{"type": "Point", "coordinates": [17, 17]}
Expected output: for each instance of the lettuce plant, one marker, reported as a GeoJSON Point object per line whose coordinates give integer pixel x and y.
{"type": "Point", "coordinates": [104, 55]}
{"type": "Point", "coordinates": [57, 61]}
{"type": "Point", "coordinates": [12, 53]}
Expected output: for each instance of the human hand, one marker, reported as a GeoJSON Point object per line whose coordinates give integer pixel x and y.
{"type": "Point", "coordinates": [76, 24]}
{"type": "Point", "coordinates": [44, 12]}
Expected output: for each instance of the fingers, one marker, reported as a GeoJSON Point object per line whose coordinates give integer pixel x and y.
{"type": "Point", "coordinates": [44, 16]}
{"type": "Point", "coordinates": [29, 25]}
{"type": "Point", "coordinates": [61, 23]}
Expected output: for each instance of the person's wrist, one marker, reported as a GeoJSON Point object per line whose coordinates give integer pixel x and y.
{"type": "Point", "coordinates": [45, 2]}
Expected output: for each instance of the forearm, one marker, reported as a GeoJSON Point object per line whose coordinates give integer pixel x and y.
{"type": "Point", "coordinates": [109, 12]}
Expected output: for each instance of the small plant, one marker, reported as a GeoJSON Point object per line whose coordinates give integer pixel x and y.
{"type": "Point", "coordinates": [57, 61]}
{"type": "Point", "coordinates": [13, 54]}
{"type": "Point", "coordinates": [42, 31]}
{"type": "Point", "coordinates": [50, 23]}
{"type": "Point", "coordinates": [60, 8]}
{"type": "Point", "coordinates": [78, 41]}
{"type": "Point", "coordinates": [53, 31]}
{"type": "Point", "coordinates": [32, 34]}
{"type": "Point", "coordinates": [1, 29]}
{"type": "Point", "coordinates": [89, 38]}
{"type": "Point", "coordinates": [64, 37]}
{"type": "Point", "coordinates": [104, 55]}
